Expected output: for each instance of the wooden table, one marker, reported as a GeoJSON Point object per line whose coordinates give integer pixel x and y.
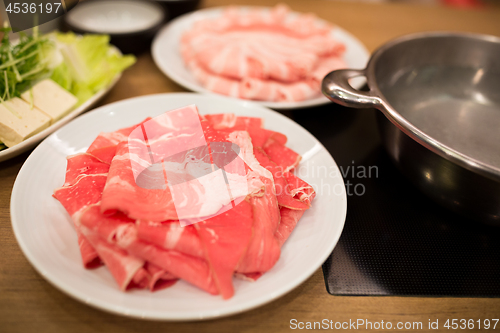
{"type": "Point", "coordinates": [28, 303]}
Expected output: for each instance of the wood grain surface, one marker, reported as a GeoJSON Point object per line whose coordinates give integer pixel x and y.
{"type": "Point", "coordinates": [29, 304]}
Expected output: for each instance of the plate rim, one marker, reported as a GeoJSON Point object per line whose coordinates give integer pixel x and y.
{"type": "Point", "coordinates": [321, 100]}
{"type": "Point", "coordinates": [120, 310]}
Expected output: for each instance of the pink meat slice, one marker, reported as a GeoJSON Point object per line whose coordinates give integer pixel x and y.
{"type": "Point", "coordinates": [297, 91]}
{"type": "Point", "coordinates": [223, 58]}
{"type": "Point", "coordinates": [325, 66]}
{"type": "Point", "coordinates": [90, 258]}
{"type": "Point", "coordinates": [281, 58]}
{"type": "Point", "coordinates": [218, 84]}
{"type": "Point", "coordinates": [150, 144]}
{"type": "Point", "coordinates": [225, 239]}
{"type": "Point", "coordinates": [300, 189]}
{"type": "Point", "coordinates": [127, 270]}
{"type": "Point", "coordinates": [83, 187]}
{"type": "Point", "coordinates": [111, 231]}
{"type": "Point", "coordinates": [160, 279]}
{"type": "Point", "coordinates": [262, 55]}
{"type": "Point", "coordinates": [251, 277]}
{"type": "Point", "coordinates": [104, 146]}
{"type": "Point", "coordinates": [123, 194]}
{"type": "Point", "coordinates": [261, 137]}
{"type": "Point", "coordinates": [266, 42]}
{"type": "Point", "coordinates": [126, 260]}
{"type": "Point", "coordinates": [101, 232]}
{"type": "Point", "coordinates": [86, 191]}
{"type": "Point", "coordinates": [140, 280]}
{"type": "Point", "coordinates": [283, 156]}
{"type": "Point", "coordinates": [231, 121]}
{"type": "Point", "coordinates": [289, 217]}
{"type": "Point", "coordinates": [193, 270]}
{"type": "Point", "coordinates": [259, 89]}
{"type": "Point", "coordinates": [283, 194]}
{"type": "Point", "coordinates": [107, 139]}
{"type": "Point", "coordinates": [268, 90]}
{"type": "Point", "coordinates": [105, 154]}
{"type": "Point", "coordinates": [106, 227]}
{"type": "Point", "coordinates": [175, 189]}
{"type": "Point", "coordinates": [263, 250]}
{"type": "Point", "coordinates": [171, 236]}
{"type": "Point", "coordinates": [81, 165]}
{"type": "Point", "coordinates": [277, 18]}
{"type": "Point", "coordinates": [255, 88]}
{"type": "Point", "coordinates": [275, 137]}
{"type": "Point", "coordinates": [86, 175]}
{"type": "Point", "coordinates": [122, 266]}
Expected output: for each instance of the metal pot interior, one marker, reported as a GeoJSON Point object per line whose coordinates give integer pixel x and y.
{"type": "Point", "coordinates": [448, 86]}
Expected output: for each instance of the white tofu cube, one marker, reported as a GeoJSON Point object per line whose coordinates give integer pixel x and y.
{"type": "Point", "coordinates": [14, 129]}
{"type": "Point", "coordinates": [50, 98]}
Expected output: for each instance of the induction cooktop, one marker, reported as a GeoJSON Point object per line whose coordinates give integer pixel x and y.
{"type": "Point", "coordinates": [397, 241]}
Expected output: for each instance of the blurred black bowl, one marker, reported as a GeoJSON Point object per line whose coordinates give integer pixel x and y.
{"type": "Point", "coordinates": [130, 24]}
{"type": "Point", "coordinates": [178, 7]}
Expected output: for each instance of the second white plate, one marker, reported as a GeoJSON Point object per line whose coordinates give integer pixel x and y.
{"type": "Point", "coordinates": [167, 56]}
{"type": "Point", "coordinates": [46, 235]}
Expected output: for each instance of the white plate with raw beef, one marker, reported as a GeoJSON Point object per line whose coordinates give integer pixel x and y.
{"type": "Point", "coordinates": [46, 235]}
{"type": "Point", "coordinates": [166, 50]}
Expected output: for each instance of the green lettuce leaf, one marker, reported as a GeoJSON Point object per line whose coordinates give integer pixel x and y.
{"type": "Point", "coordinates": [62, 76]}
{"type": "Point", "coordinates": [89, 62]}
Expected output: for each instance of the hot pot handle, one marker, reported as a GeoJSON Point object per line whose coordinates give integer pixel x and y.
{"type": "Point", "coordinates": [337, 88]}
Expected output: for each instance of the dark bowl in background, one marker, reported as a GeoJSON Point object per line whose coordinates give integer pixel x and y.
{"type": "Point", "coordinates": [130, 40]}
{"type": "Point", "coordinates": [178, 7]}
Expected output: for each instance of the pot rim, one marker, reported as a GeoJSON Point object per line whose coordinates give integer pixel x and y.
{"type": "Point", "coordinates": [414, 132]}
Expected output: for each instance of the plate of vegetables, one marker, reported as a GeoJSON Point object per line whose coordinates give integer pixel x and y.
{"type": "Point", "coordinates": [48, 79]}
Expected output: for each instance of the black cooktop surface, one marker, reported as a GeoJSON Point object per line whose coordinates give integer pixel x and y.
{"type": "Point", "coordinates": [396, 241]}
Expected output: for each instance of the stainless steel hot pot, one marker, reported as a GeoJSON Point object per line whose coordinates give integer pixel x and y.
{"type": "Point", "coordinates": [439, 94]}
